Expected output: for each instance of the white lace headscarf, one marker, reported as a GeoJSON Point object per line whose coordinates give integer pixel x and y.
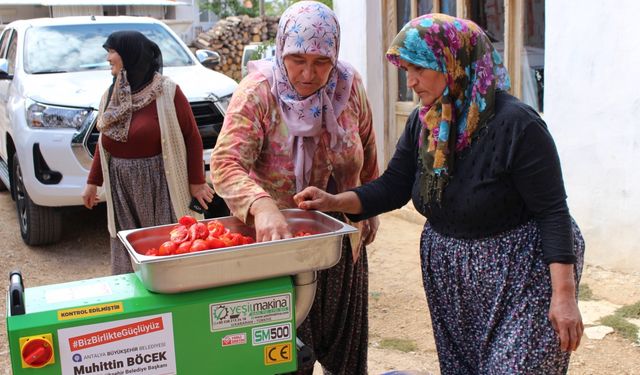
{"type": "Point", "coordinates": [308, 27]}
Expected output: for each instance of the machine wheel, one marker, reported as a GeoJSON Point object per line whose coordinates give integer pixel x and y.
{"type": "Point", "coordinates": [39, 225]}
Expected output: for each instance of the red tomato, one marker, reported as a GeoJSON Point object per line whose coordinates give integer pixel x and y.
{"type": "Point", "coordinates": [301, 233]}
{"type": "Point", "coordinates": [228, 240]}
{"type": "Point", "coordinates": [246, 240]}
{"type": "Point", "coordinates": [179, 234]}
{"type": "Point", "coordinates": [199, 245]}
{"type": "Point", "coordinates": [184, 247]}
{"type": "Point", "coordinates": [187, 220]}
{"type": "Point", "coordinates": [198, 231]}
{"type": "Point", "coordinates": [153, 251]}
{"type": "Point", "coordinates": [167, 248]}
{"type": "Point", "coordinates": [236, 239]}
{"type": "Point", "coordinates": [216, 228]}
{"type": "Point", "coordinates": [215, 243]}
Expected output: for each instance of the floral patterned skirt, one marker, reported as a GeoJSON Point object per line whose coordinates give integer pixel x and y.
{"type": "Point", "coordinates": [489, 302]}
{"type": "Point", "coordinates": [140, 196]}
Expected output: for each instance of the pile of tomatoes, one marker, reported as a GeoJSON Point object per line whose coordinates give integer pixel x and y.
{"type": "Point", "coordinates": [190, 236]}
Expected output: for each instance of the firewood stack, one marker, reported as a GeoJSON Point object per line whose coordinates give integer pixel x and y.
{"type": "Point", "coordinates": [229, 36]}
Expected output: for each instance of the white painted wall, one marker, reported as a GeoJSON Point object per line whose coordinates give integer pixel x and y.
{"type": "Point", "coordinates": [9, 13]}
{"type": "Point", "coordinates": [360, 45]}
{"type": "Point", "coordinates": [189, 12]}
{"type": "Point", "coordinates": [188, 16]}
{"type": "Point", "coordinates": [592, 107]}
{"type": "Point", "coordinates": [183, 19]}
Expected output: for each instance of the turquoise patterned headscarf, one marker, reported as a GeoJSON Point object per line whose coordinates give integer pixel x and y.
{"type": "Point", "coordinates": [474, 71]}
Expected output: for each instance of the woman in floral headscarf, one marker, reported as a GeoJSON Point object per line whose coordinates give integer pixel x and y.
{"type": "Point", "coordinates": [501, 256]}
{"type": "Point", "coordinates": [303, 119]}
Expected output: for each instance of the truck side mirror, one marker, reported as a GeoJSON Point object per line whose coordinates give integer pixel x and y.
{"type": "Point", "coordinates": [4, 69]}
{"type": "Point", "coordinates": [208, 58]}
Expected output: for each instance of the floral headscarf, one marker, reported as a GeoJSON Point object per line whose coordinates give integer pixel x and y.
{"type": "Point", "coordinates": [308, 27]}
{"type": "Point", "coordinates": [474, 71]}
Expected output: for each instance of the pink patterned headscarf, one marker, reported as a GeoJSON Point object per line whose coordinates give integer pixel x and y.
{"type": "Point", "coordinates": [308, 27]}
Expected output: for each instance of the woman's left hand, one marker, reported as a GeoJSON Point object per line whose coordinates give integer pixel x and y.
{"type": "Point", "coordinates": [203, 193]}
{"type": "Point", "coordinates": [567, 321]}
{"type": "Point", "coordinates": [370, 229]}
{"type": "Point", "coordinates": [563, 310]}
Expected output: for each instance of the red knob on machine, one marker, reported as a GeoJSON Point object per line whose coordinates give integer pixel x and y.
{"type": "Point", "coordinates": [37, 352]}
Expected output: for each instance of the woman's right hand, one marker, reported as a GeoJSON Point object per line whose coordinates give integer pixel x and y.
{"type": "Point", "coordinates": [90, 196]}
{"type": "Point", "coordinates": [269, 222]}
{"type": "Point", "coordinates": [203, 193]}
{"type": "Point", "coordinates": [312, 198]}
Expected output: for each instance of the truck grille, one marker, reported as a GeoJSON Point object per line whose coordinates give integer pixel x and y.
{"type": "Point", "coordinates": [207, 115]}
{"type": "Point", "coordinates": [209, 120]}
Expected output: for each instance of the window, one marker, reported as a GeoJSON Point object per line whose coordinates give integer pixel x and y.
{"type": "Point", "coordinates": [516, 28]}
{"type": "Point", "coordinates": [405, 94]}
{"type": "Point", "coordinates": [50, 49]}
{"type": "Point", "coordinates": [114, 10]}
{"type": "Point", "coordinates": [11, 53]}
{"type": "Point", "coordinates": [447, 7]}
{"type": "Point", "coordinates": [533, 54]}
{"type": "Point", "coordinates": [4, 42]}
{"type": "Point", "coordinates": [490, 15]}
{"type": "Point", "coordinates": [406, 10]}
{"type": "Point", "coordinates": [424, 7]}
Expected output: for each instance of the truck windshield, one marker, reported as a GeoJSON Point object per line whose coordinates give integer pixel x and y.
{"type": "Point", "coordinates": [72, 48]}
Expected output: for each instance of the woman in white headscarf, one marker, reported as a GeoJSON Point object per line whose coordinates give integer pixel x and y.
{"type": "Point", "coordinates": [303, 119]}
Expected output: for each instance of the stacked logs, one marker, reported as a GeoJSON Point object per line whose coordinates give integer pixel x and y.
{"type": "Point", "coordinates": [229, 36]}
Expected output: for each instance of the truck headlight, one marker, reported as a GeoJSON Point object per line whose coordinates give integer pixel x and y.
{"type": "Point", "coordinates": [46, 116]}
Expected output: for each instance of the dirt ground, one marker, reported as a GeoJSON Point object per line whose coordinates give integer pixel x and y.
{"type": "Point", "coordinates": [398, 309]}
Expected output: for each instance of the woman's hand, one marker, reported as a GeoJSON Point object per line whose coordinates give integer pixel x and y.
{"type": "Point", "coordinates": [269, 222]}
{"type": "Point", "coordinates": [312, 198]}
{"type": "Point", "coordinates": [563, 310]}
{"type": "Point", "coordinates": [370, 230]}
{"type": "Point", "coordinates": [203, 193]}
{"type": "Point", "coordinates": [90, 196]}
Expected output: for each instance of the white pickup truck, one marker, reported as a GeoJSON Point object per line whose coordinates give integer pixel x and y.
{"type": "Point", "coordinates": [53, 72]}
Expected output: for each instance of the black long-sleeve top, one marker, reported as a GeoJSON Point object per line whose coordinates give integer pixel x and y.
{"type": "Point", "coordinates": [509, 175]}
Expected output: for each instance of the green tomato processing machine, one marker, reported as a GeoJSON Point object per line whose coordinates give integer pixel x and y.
{"type": "Point", "coordinates": [223, 311]}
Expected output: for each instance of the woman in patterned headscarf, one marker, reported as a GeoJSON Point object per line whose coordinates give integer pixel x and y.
{"type": "Point", "coordinates": [303, 119]}
{"type": "Point", "coordinates": [501, 256]}
{"type": "Point", "coordinates": [146, 128]}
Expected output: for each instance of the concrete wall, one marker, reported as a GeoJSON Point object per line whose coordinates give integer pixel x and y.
{"type": "Point", "coordinates": [9, 13]}
{"type": "Point", "coordinates": [592, 107]}
{"type": "Point", "coordinates": [360, 45]}
{"type": "Point", "coordinates": [183, 19]}
{"type": "Point", "coordinates": [189, 16]}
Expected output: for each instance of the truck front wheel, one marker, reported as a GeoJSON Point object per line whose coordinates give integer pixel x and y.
{"type": "Point", "coordinates": [39, 225]}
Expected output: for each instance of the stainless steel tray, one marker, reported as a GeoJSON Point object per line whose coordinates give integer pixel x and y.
{"type": "Point", "coordinates": [233, 265]}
